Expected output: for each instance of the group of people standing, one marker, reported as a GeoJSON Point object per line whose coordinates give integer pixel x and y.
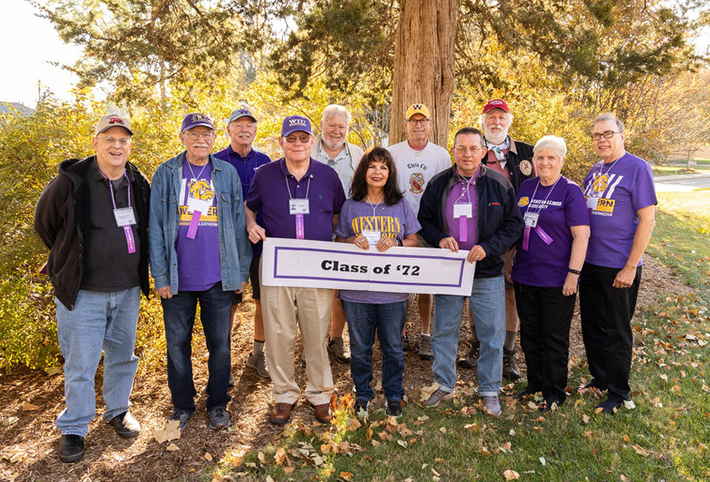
{"type": "Point", "coordinates": [535, 236]}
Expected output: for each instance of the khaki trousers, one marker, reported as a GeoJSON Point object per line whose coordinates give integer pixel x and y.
{"type": "Point", "coordinates": [284, 309]}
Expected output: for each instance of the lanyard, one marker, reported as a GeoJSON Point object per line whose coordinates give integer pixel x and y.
{"type": "Point", "coordinates": [130, 240]}
{"type": "Point", "coordinates": [546, 238]}
{"type": "Point", "coordinates": [300, 224]}
{"type": "Point", "coordinates": [463, 220]}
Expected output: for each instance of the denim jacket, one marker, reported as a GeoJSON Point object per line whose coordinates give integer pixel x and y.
{"type": "Point", "coordinates": [234, 249]}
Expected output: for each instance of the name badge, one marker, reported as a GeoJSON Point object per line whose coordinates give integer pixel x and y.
{"type": "Point", "coordinates": [592, 202]}
{"type": "Point", "coordinates": [463, 210]}
{"type": "Point", "coordinates": [372, 236]}
{"type": "Point", "coordinates": [531, 219]}
{"type": "Point", "coordinates": [298, 206]}
{"type": "Point", "coordinates": [201, 205]}
{"type": "Point", "coordinates": [124, 217]}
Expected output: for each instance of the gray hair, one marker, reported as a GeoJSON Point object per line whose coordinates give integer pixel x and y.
{"type": "Point", "coordinates": [608, 116]}
{"type": "Point", "coordinates": [555, 143]}
{"type": "Point", "coordinates": [334, 109]}
{"type": "Point", "coordinates": [482, 119]}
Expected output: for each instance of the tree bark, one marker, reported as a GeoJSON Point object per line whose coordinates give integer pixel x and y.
{"type": "Point", "coordinates": [424, 65]}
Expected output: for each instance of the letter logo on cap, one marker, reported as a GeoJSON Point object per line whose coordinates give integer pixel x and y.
{"type": "Point", "coordinates": [115, 120]}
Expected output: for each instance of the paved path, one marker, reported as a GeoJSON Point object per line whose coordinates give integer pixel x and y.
{"type": "Point", "coordinates": [682, 182]}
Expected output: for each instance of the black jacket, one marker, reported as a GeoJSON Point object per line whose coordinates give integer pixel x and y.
{"type": "Point", "coordinates": [500, 223]}
{"type": "Point", "coordinates": [517, 153]}
{"type": "Point", "coordinates": [62, 218]}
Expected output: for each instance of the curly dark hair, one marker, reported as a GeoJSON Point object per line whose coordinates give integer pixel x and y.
{"type": "Point", "coordinates": [358, 188]}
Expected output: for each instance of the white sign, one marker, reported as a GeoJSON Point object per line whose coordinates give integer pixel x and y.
{"type": "Point", "coordinates": [319, 264]}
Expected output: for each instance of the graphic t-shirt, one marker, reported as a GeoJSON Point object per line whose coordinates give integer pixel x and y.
{"type": "Point", "coordinates": [557, 207]}
{"type": "Point", "coordinates": [397, 222]}
{"type": "Point", "coordinates": [615, 192]}
{"type": "Point", "coordinates": [416, 168]}
{"type": "Point", "coordinates": [197, 242]}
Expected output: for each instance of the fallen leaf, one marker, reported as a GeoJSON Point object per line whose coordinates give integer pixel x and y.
{"type": "Point", "coordinates": [281, 457]}
{"type": "Point", "coordinates": [28, 407]}
{"type": "Point", "coordinates": [9, 421]}
{"type": "Point", "coordinates": [585, 418]}
{"type": "Point", "coordinates": [626, 438]}
{"type": "Point", "coordinates": [261, 457]}
{"type": "Point", "coordinates": [511, 475]}
{"type": "Point", "coordinates": [369, 433]}
{"type": "Point", "coordinates": [640, 450]}
{"type": "Point", "coordinates": [346, 476]}
{"type": "Point", "coordinates": [507, 445]}
{"type": "Point", "coordinates": [318, 460]}
{"type": "Point", "coordinates": [269, 479]}
{"type": "Point", "coordinates": [53, 370]}
{"type": "Point", "coordinates": [354, 424]}
{"type": "Point", "coordinates": [208, 457]}
{"type": "Point", "coordinates": [171, 431]}
{"type": "Point", "coordinates": [435, 472]}
{"type": "Point", "coordinates": [289, 470]}
{"type": "Point", "coordinates": [172, 448]}
{"type": "Point", "coordinates": [442, 430]}
{"type": "Point", "coordinates": [402, 443]}
{"type": "Point", "coordinates": [623, 478]}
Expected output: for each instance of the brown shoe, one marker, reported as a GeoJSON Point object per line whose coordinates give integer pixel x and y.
{"type": "Point", "coordinates": [322, 412]}
{"type": "Point", "coordinates": [281, 413]}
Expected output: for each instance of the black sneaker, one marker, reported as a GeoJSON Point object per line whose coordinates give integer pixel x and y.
{"type": "Point", "coordinates": [527, 392]}
{"type": "Point", "coordinates": [219, 418]}
{"type": "Point", "coordinates": [181, 417]}
{"type": "Point", "coordinates": [125, 425]}
{"type": "Point", "coordinates": [405, 342]}
{"type": "Point", "coordinates": [394, 408]}
{"type": "Point", "coordinates": [610, 406]}
{"type": "Point", "coordinates": [361, 407]}
{"type": "Point", "coordinates": [71, 448]}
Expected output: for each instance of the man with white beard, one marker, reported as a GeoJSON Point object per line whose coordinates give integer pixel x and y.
{"type": "Point", "coordinates": [331, 147]}
{"type": "Point", "coordinates": [514, 161]}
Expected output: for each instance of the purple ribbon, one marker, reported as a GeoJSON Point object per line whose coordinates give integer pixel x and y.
{"type": "Point", "coordinates": [463, 229]}
{"type": "Point", "coordinates": [194, 223]}
{"type": "Point", "coordinates": [129, 239]}
{"type": "Point", "coordinates": [540, 232]}
{"type": "Point", "coordinates": [300, 229]}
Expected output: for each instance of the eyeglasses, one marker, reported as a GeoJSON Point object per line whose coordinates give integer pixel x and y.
{"type": "Point", "coordinates": [303, 139]}
{"type": "Point", "coordinates": [109, 141]}
{"type": "Point", "coordinates": [607, 135]}
{"type": "Point", "coordinates": [420, 122]}
{"type": "Point", "coordinates": [193, 136]}
{"type": "Point", "coordinates": [472, 150]}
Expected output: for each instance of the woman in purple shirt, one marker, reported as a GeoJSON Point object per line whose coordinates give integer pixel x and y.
{"type": "Point", "coordinates": [376, 217]}
{"type": "Point", "coordinates": [546, 270]}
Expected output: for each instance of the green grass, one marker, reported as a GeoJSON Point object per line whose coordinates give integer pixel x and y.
{"type": "Point", "coordinates": [679, 167]}
{"type": "Point", "coordinates": [664, 438]}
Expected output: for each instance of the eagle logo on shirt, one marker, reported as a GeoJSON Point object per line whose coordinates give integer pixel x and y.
{"type": "Point", "coordinates": [200, 189]}
{"type": "Point", "coordinates": [600, 183]}
{"type": "Point", "coordinates": [416, 183]}
{"type": "Point", "coordinates": [524, 201]}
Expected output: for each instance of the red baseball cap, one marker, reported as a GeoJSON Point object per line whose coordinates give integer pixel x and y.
{"type": "Point", "coordinates": [495, 104]}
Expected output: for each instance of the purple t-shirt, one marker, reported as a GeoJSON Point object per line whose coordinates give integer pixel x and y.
{"type": "Point", "coordinates": [272, 188]}
{"type": "Point", "coordinates": [198, 266]}
{"type": "Point", "coordinates": [462, 194]}
{"type": "Point", "coordinates": [559, 207]}
{"type": "Point", "coordinates": [245, 167]}
{"type": "Point", "coordinates": [621, 188]}
{"type": "Point", "coordinates": [397, 221]}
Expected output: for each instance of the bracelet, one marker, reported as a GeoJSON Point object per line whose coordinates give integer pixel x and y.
{"type": "Point", "coordinates": [574, 271]}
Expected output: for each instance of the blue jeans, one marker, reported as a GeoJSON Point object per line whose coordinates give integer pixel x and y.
{"type": "Point", "coordinates": [215, 314]}
{"type": "Point", "coordinates": [388, 320]}
{"type": "Point", "coordinates": [488, 308]}
{"type": "Point", "coordinates": [98, 321]}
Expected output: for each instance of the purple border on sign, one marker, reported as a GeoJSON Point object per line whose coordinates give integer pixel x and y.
{"type": "Point", "coordinates": [367, 254]}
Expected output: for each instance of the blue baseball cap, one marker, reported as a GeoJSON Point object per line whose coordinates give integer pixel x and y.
{"type": "Point", "coordinates": [295, 123]}
{"type": "Point", "coordinates": [194, 120]}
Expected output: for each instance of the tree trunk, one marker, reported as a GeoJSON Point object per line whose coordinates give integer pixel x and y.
{"type": "Point", "coordinates": [424, 65]}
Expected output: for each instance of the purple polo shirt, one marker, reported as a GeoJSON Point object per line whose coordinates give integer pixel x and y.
{"type": "Point", "coordinates": [463, 192]}
{"type": "Point", "coordinates": [245, 167]}
{"type": "Point", "coordinates": [273, 186]}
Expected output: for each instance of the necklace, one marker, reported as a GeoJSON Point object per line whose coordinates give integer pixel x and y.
{"type": "Point", "coordinates": [374, 207]}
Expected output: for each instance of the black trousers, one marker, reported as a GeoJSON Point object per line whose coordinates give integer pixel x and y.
{"type": "Point", "coordinates": [545, 317]}
{"type": "Point", "coordinates": [606, 327]}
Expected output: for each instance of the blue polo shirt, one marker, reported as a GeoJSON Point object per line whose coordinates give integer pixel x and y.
{"type": "Point", "coordinates": [245, 167]}
{"type": "Point", "coordinates": [273, 186]}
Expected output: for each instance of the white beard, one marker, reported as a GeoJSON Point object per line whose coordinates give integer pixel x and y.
{"type": "Point", "coordinates": [496, 138]}
{"type": "Point", "coordinates": [333, 146]}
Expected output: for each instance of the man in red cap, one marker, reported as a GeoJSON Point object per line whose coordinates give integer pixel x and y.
{"type": "Point", "coordinates": [514, 161]}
